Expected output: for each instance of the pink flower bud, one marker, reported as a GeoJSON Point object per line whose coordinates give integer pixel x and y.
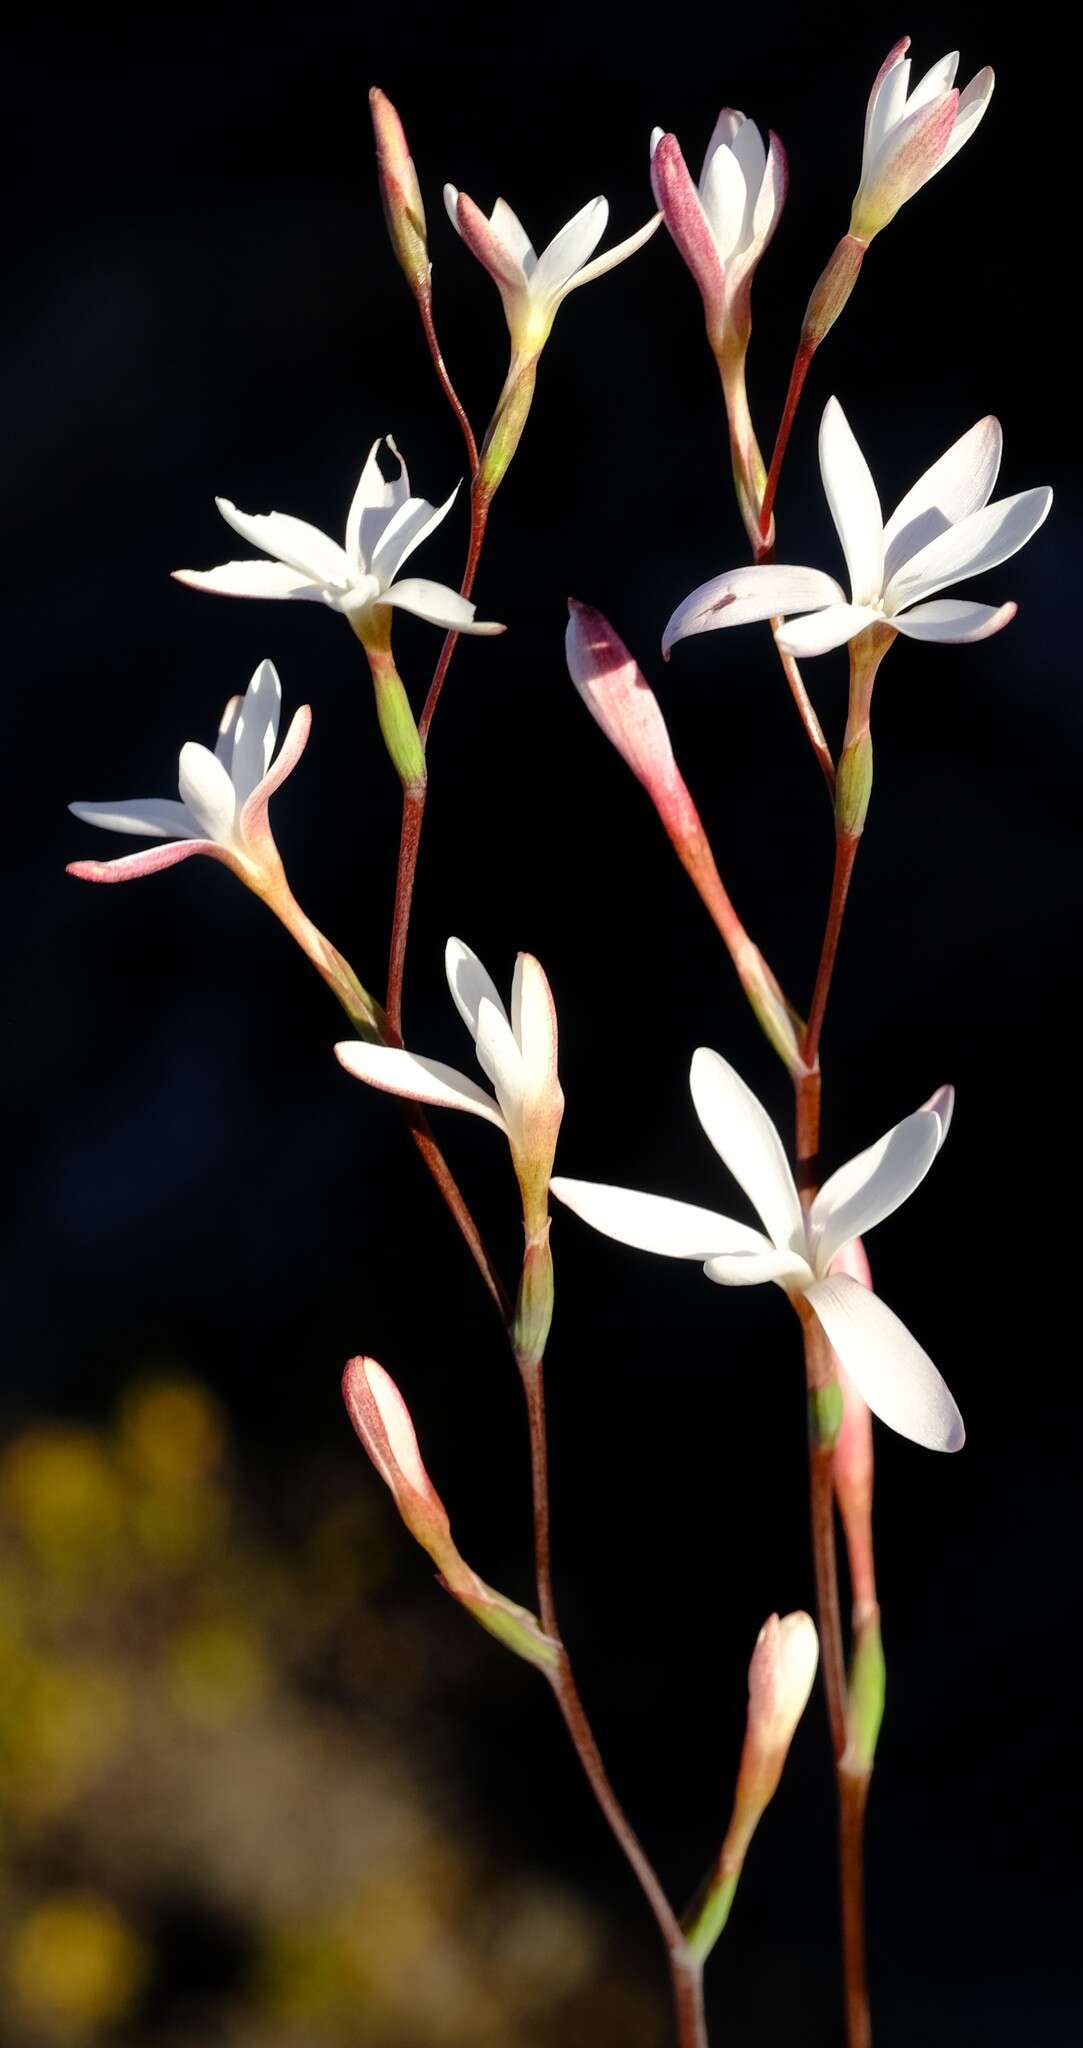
{"type": "Point", "coordinates": [404, 210]}
{"type": "Point", "coordinates": [780, 1679]}
{"type": "Point", "coordinates": [682, 210]}
{"type": "Point", "coordinates": [382, 1421]}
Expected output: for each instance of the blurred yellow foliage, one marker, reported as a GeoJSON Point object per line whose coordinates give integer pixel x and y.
{"type": "Point", "coordinates": [216, 1671]}
{"type": "Point", "coordinates": [72, 1962]}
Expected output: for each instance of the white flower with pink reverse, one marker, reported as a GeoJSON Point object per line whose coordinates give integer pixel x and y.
{"type": "Point", "coordinates": [890, 1370]}
{"type": "Point", "coordinates": [722, 227]}
{"type": "Point", "coordinates": [532, 286]}
{"type": "Point", "coordinates": [943, 530]}
{"type": "Point", "coordinates": [912, 134]}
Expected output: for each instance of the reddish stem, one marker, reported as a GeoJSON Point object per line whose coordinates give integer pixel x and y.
{"type": "Point", "coordinates": [421, 1132]}
{"type": "Point", "coordinates": [424, 305]}
{"type": "Point", "coordinates": [413, 814]}
{"type": "Point", "coordinates": [846, 845]}
{"type": "Point", "coordinates": [807, 714]}
{"type": "Point", "coordinates": [853, 1794]}
{"type": "Point", "coordinates": [801, 362]}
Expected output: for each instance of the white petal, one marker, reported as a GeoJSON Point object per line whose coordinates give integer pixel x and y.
{"type": "Point", "coordinates": [939, 78]}
{"type": "Point", "coordinates": [374, 504]}
{"type": "Point", "coordinates": [972, 105]}
{"type": "Point", "coordinates": [152, 817]}
{"type": "Point", "coordinates": [818, 632]}
{"type": "Point", "coordinates": [886, 1364]}
{"type": "Point", "coordinates": [469, 983]}
{"type": "Point", "coordinates": [886, 106]}
{"type": "Point", "coordinates": [959, 484]}
{"type": "Point", "coordinates": [500, 1059]}
{"type": "Point", "coordinates": [955, 620]}
{"type": "Point", "coordinates": [411, 524]}
{"type": "Point", "coordinates": [654, 1223]}
{"type": "Point", "coordinates": [223, 745]}
{"type": "Point", "coordinates": [570, 249]}
{"type": "Point", "coordinates": [742, 596]}
{"type": "Point", "coordinates": [406, 1073]}
{"type": "Point", "coordinates": [748, 148]}
{"type": "Point", "coordinates": [748, 1269]}
{"type": "Point", "coordinates": [978, 543]}
{"type": "Point", "coordinates": [855, 507]}
{"type": "Point", "coordinates": [451, 204]}
{"type": "Point", "coordinates": [534, 1026]}
{"type": "Point", "coordinates": [509, 229]}
{"type": "Point", "coordinates": [293, 541]}
{"type": "Point", "coordinates": [942, 1104]}
{"type": "Point", "coordinates": [207, 791]}
{"type": "Point", "coordinates": [438, 604]}
{"type": "Point", "coordinates": [250, 579]}
{"type": "Point", "coordinates": [610, 258]}
{"type": "Point", "coordinates": [873, 1185]}
{"type": "Point", "coordinates": [255, 731]}
{"type": "Point", "coordinates": [724, 197]}
{"type": "Point", "coordinates": [744, 1137]}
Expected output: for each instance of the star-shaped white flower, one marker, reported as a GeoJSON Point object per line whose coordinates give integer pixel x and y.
{"type": "Point", "coordinates": [517, 1053]}
{"type": "Point", "coordinates": [223, 795]}
{"type": "Point", "coordinates": [533, 286]}
{"type": "Point", "coordinates": [723, 228]}
{"type": "Point", "coordinates": [910, 135]}
{"type": "Point", "coordinates": [384, 526]}
{"type": "Point", "coordinates": [944, 529]}
{"type": "Point", "coordinates": [891, 1371]}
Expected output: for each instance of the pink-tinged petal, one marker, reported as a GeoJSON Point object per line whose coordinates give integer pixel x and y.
{"type": "Point", "coordinates": [207, 791]}
{"type": "Point", "coordinates": [655, 1223]}
{"type": "Point", "coordinates": [872, 1186]}
{"type": "Point", "coordinates": [772, 193]}
{"type": "Point", "coordinates": [396, 1072]}
{"type": "Point", "coordinates": [294, 541]}
{"type": "Point", "coordinates": [151, 817]}
{"type": "Point", "coordinates": [981, 542]}
{"type": "Point", "coordinates": [906, 160]}
{"type": "Point", "coordinates": [887, 1365]}
{"type": "Point", "coordinates": [501, 1061]}
{"type": "Point", "coordinates": [746, 1141]}
{"type": "Point", "coordinates": [855, 506]}
{"type": "Point", "coordinates": [131, 866]}
{"type": "Point", "coordinates": [972, 106]}
{"type": "Point", "coordinates": [250, 579]}
{"type": "Point", "coordinates": [942, 1104]}
{"type": "Point", "coordinates": [683, 213]}
{"type": "Point", "coordinates": [382, 1421]}
{"type": "Point", "coordinates": [819, 632]}
{"type": "Point", "coordinates": [469, 983]}
{"type": "Point", "coordinates": [509, 229]}
{"type": "Point", "coordinates": [489, 249]}
{"type": "Point", "coordinates": [959, 484]}
{"type": "Point", "coordinates": [749, 1269]}
{"type": "Point", "coordinates": [571, 248]}
{"type": "Point", "coordinates": [619, 698]}
{"type": "Point", "coordinates": [438, 604]}
{"type": "Point", "coordinates": [742, 596]}
{"type": "Point", "coordinates": [939, 78]}
{"type": "Point", "coordinates": [411, 524]}
{"type": "Point", "coordinates": [255, 730]}
{"type": "Point", "coordinates": [954, 621]}
{"type": "Point", "coordinates": [610, 258]}
{"type": "Point", "coordinates": [887, 99]}
{"type": "Point", "coordinates": [252, 822]}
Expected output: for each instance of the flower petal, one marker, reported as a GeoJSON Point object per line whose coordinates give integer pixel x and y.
{"type": "Point", "coordinates": [980, 542]}
{"type": "Point", "coordinates": [411, 524]}
{"type": "Point", "coordinates": [942, 1104]}
{"type": "Point", "coordinates": [131, 866]}
{"type": "Point", "coordinates": [250, 579]}
{"type": "Point", "coordinates": [771, 197]}
{"type": "Point", "coordinates": [855, 507]}
{"type": "Point", "coordinates": [873, 1185]}
{"type": "Point", "coordinates": [223, 745]}
{"type": "Point", "coordinates": [819, 632]}
{"type": "Point", "coordinates": [509, 229]}
{"type": "Point", "coordinates": [502, 1062]}
{"type": "Point", "coordinates": [158, 817]}
{"type": "Point", "coordinates": [742, 596]}
{"type": "Point", "coordinates": [570, 249]}
{"type": "Point", "coordinates": [252, 820]}
{"type": "Point", "coordinates": [255, 731]}
{"type": "Point", "coordinates": [746, 1140]}
{"type": "Point", "coordinates": [972, 105]}
{"type": "Point", "coordinates": [293, 541]}
{"type": "Point", "coordinates": [470, 983]}
{"type": "Point", "coordinates": [207, 791]}
{"type": "Point", "coordinates": [505, 270]}
{"type": "Point", "coordinates": [374, 505]}
{"type": "Point", "coordinates": [610, 258]}
{"type": "Point", "coordinates": [939, 78]}
{"type": "Point", "coordinates": [723, 191]}
{"type": "Point", "coordinates": [886, 100]}
{"type": "Point", "coordinates": [396, 1072]}
{"type": "Point", "coordinates": [438, 604]}
{"type": "Point", "coordinates": [655, 1223]}
{"type": "Point", "coordinates": [886, 1364]}
{"type": "Point", "coordinates": [682, 210]}
{"type": "Point", "coordinates": [954, 620]}
{"type": "Point", "coordinates": [748, 1269]}
{"type": "Point", "coordinates": [534, 1025]}
{"type": "Point", "coordinates": [959, 484]}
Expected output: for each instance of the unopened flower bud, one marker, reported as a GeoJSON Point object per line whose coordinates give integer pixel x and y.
{"type": "Point", "coordinates": [404, 211]}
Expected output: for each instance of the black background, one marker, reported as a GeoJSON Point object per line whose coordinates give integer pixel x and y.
{"type": "Point", "coordinates": [211, 306]}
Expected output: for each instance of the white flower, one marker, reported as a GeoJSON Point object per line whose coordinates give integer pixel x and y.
{"type": "Point", "coordinates": [223, 795]}
{"type": "Point", "coordinates": [944, 529]}
{"type": "Point", "coordinates": [911, 135]}
{"type": "Point", "coordinates": [518, 1055]}
{"type": "Point", "coordinates": [890, 1370]}
{"type": "Point", "coordinates": [384, 526]}
{"type": "Point", "coordinates": [723, 228]}
{"type": "Point", "coordinates": [533, 286]}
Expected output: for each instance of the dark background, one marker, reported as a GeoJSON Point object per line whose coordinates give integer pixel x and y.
{"type": "Point", "coordinates": [211, 306]}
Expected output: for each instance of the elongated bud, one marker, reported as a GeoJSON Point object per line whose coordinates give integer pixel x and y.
{"type": "Point", "coordinates": [534, 1303]}
{"type": "Point", "coordinates": [906, 160]}
{"type": "Point", "coordinates": [780, 1679]}
{"type": "Point", "coordinates": [853, 785]}
{"type": "Point", "coordinates": [621, 701]}
{"type": "Point", "coordinates": [830, 292]}
{"type": "Point", "coordinates": [507, 424]}
{"type": "Point", "coordinates": [682, 210]}
{"type": "Point", "coordinates": [382, 1421]}
{"type": "Point", "coordinates": [396, 720]}
{"type": "Point", "coordinates": [404, 211]}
